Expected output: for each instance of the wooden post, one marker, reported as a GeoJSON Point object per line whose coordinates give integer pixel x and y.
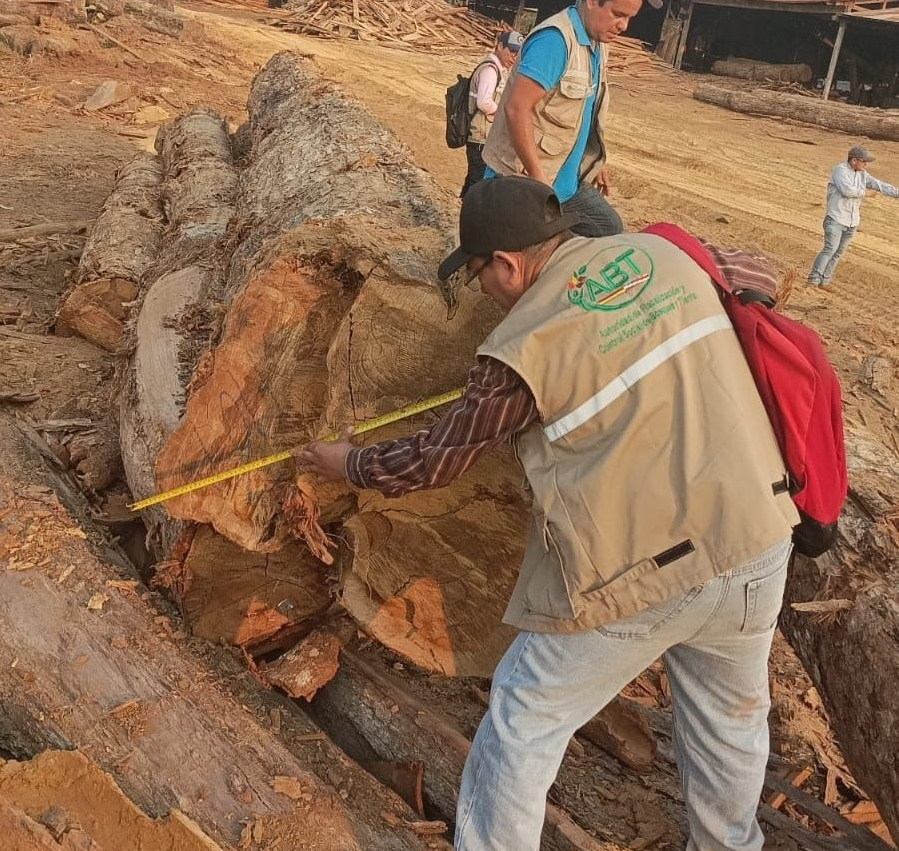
{"type": "Point", "coordinates": [682, 45]}
{"type": "Point", "coordinates": [828, 82]}
{"type": "Point", "coordinates": [516, 22]}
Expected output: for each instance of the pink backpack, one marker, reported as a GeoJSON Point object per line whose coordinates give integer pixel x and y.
{"type": "Point", "coordinates": [801, 393]}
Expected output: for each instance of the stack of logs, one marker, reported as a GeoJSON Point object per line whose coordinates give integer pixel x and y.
{"type": "Point", "coordinates": [290, 293]}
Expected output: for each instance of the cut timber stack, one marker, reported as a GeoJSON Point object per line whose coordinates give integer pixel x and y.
{"type": "Point", "coordinates": [331, 317]}
{"type": "Point", "coordinates": [629, 57]}
{"type": "Point", "coordinates": [429, 25]}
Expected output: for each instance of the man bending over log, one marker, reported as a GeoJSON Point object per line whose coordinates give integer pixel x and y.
{"type": "Point", "coordinates": [551, 117]}
{"type": "Point", "coordinates": [656, 527]}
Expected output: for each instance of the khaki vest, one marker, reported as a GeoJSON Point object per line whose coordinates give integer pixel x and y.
{"type": "Point", "coordinates": [654, 467]}
{"type": "Point", "coordinates": [480, 123]}
{"type": "Point", "coordinates": [559, 115]}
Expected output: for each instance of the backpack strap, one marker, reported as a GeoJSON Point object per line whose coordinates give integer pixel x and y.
{"type": "Point", "coordinates": [478, 67]}
{"type": "Point", "coordinates": [691, 246]}
{"type": "Point", "coordinates": [694, 249]}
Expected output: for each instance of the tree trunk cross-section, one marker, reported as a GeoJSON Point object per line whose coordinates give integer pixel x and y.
{"type": "Point", "coordinates": [332, 317]}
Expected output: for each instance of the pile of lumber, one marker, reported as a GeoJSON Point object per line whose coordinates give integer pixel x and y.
{"type": "Point", "coordinates": [429, 25]}
{"type": "Point", "coordinates": [631, 57]}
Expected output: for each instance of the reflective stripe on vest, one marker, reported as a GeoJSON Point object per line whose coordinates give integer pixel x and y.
{"type": "Point", "coordinates": [643, 367]}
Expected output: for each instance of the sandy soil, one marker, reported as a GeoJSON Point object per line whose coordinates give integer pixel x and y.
{"type": "Point", "coordinates": [735, 179]}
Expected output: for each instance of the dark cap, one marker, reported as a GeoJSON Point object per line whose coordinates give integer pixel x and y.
{"type": "Point", "coordinates": [505, 214]}
{"type": "Point", "coordinates": [860, 153]}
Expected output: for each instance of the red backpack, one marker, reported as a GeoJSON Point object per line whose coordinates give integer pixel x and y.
{"type": "Point", "coordinates": [801, 394]}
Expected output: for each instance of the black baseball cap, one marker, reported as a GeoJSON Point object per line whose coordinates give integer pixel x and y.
{"type": "Point", "coordinates": [505, 214]}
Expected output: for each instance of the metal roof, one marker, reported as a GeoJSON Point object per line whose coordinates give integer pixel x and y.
{"type": "Point", "coordinates": [887, 16]}
{"type": "Point", "coordinates": [886, 11]}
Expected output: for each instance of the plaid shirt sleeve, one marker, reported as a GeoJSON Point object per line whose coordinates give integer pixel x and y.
{"type": "Point", "coordinates": [744, 271]}
{"type": "Point", "coordinates": [496, 404]}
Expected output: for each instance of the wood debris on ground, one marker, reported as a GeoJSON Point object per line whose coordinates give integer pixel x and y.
{"type": "Point", "coordinates": [432, 26]}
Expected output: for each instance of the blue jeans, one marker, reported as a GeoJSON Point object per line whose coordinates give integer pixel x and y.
{"type": "Point", "coordinates": [598, 216]}
{"type": "Point", "coordinates": [715, 641]}
{"type": "Point", "coordinates": [836, 239]}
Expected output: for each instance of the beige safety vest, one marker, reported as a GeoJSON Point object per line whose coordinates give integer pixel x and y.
{"type": "Point", "coordinates": [480, 123]}
{"type": "Point", "coordinates": [559, 115]}
{"type": "Point", "coordinates": [654, 467]}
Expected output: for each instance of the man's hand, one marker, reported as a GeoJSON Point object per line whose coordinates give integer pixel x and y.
{"type": "Point", "coordinates": [327, 459]}
{"type": "Point", "coordinates": [603, 182]}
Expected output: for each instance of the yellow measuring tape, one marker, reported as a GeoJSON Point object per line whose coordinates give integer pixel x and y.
{"type": "Point", "coordinates": [361, 428]}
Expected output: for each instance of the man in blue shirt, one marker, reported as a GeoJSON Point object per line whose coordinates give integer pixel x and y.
{"type": "Point", "coordinates": [849, 182]}
{"type": "Point", "coordinates": [554, 106]}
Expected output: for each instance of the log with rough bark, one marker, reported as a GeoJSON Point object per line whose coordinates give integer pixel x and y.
{"type": "Point", "coordinates": [842, 617]}
{"type": "Point", "coordinates": [331, 317]}
{"type": "Point", "coordinates": [751, 69]}
{"type": "Point", "coordinates": [854, 120]}
{"type": "Point", "coordinates": [90, 664]}
{"type": "Point", "coordinates": [176, 314]}
{"type": "Point", "coordinates": [122, 247]}
{"type": "Point", "coordinates": [366, 703]}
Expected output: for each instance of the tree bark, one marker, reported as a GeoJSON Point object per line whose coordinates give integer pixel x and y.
{"type": "Point", "coordinates": [176, 319]}
{"type": "Point", "coordinates": [332, 317]}
{"type": "Point", "coordinates": [120, 249]}
{"type": "Point", "coordinates": [857, 121]}
{"type": "Point", "coordinates": [90, 665]}
{"type": "Point", "coordinates": [751, 69]}
{"type": "Point", "coordinates": [852, 652]}
{"type": "Point", "coordinates": [364, 702]}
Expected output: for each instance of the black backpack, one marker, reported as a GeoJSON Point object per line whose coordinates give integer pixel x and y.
{"type": "Point", "coordinates": [458, 117]}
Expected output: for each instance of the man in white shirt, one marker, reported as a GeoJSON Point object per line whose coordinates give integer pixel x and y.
{"type": "Point", "coordinates": [487, 84]}
{"type": "Point", "coordinates": [848, 184]}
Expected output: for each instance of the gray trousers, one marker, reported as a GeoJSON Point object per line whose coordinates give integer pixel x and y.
{"type": "Point", "coordinates": [598, 216]}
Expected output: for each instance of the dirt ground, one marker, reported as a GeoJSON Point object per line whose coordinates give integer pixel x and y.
{"type": "Point", "coordinates": [735, 179]}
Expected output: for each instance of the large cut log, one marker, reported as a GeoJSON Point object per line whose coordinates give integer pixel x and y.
{"type": "Point", "coordinates": [751, 69]}
{"type": "Point", "coordinates": [89, 664]}
{"type": "Point", "coordinates": [367, 703]}
{"type": "Point", "coordinates": [333, 317]}
{"type": "Point", "coordinates": [121, 249]}
{"type": "Point", "coordinates": [371, 709]}
{"type": "Point", "coordinates": [842, 617]}
{"type": "Point", "coordinates": [854, 120]}
{"type": "Point", "coordinates": [175, 320]}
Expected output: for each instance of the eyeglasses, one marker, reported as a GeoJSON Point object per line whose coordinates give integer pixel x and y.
{"type": "Point", "coordinates": [474, 274]}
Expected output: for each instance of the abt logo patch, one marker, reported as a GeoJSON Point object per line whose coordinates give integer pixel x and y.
{"type": "Point", "coordinates": [612, 279]}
